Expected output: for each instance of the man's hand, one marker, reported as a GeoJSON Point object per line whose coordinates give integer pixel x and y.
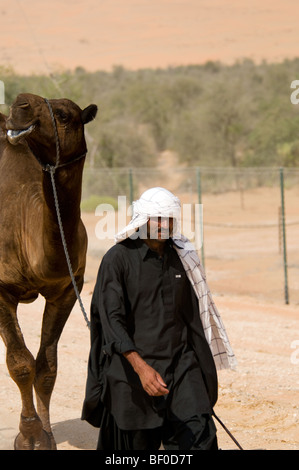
{"type": "Point", "coordinates": [151, 380]}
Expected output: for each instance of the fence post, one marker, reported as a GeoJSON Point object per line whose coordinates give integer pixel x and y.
{"type": "Point", "coordinates": [286, 288]}
{"type": "Point", "coordinates": [279, 229]}
{"type": "Point", "coordinates": [198, 178]}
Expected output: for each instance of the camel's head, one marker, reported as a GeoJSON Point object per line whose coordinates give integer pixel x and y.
{"type": "Point", "coordinates": [30, 119]}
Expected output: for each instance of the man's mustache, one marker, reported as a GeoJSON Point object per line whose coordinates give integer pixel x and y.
{"type": "Point", "coordinates": [163, 232]}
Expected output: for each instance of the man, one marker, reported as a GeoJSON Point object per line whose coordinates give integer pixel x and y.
{"type": "Point", "coordinates": [154, 331]}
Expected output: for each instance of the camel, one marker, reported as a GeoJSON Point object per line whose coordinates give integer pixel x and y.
{"type": "Point", "coordinates": [39, 140]}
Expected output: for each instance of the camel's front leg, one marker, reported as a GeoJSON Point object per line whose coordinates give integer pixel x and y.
{"type": "Point", "coordinates": [21, 367]}
{"type": "Point", "coordinates": [55, 317]}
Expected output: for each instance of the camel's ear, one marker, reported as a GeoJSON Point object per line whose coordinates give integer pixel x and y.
{"type": "Point", "coordinates": [89, 113]}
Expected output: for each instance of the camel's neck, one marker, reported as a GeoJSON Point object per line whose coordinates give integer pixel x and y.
{"type": "Point", "coordinates": [68, 186]}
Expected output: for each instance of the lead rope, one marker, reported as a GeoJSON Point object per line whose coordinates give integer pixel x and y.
{"type": "Point", "coordinates": [51, 169]}
{"type": "Point", "coordinates": [56, 135]}
{"type": "Point", "coordinates": [52, 172]}
{"type": "Point", "coordinates": [228, 432]}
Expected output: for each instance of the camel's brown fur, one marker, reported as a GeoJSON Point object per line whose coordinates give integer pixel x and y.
{"type": "Point", "coordinates": [32, 259]}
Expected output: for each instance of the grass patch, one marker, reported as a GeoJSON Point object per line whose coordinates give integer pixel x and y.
{"type": "Point", "coordinates": [90, 204]}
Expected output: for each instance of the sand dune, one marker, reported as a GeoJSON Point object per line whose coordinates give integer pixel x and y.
{"type": "Point", "coordinates": [98, 34]}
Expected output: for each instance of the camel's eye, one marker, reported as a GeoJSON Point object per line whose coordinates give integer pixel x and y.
{"type": "Point", "coordinates": [62, 115]}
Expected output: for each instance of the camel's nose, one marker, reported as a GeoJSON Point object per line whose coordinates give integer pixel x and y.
{"type": "Point", "coordinates": [23, 105]}
{"type": "Point", "coordinates": [16, 118]}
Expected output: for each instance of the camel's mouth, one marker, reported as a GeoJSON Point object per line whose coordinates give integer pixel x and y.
{"type": "Point", "coordinates": [14, 136]}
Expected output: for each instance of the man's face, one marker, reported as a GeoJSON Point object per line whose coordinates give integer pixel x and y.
{"type": "Point", "coordinates": [160, 228]}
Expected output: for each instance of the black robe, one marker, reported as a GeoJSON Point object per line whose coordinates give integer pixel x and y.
{"type": "Point", "coordinates": [132, 288]}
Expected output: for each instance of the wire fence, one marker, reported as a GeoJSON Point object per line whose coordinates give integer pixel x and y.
{"type": "Point", "coordinates": [250, 220]}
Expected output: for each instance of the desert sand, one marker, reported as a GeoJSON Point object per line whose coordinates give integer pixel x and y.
{"type": "Point", "coordinates": [41, 37]}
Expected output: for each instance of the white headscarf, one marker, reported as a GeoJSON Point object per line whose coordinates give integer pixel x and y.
{"type": "Point", "coordinates": [159, 202]}
{"type": "Point", "coordinates": [155, 202]}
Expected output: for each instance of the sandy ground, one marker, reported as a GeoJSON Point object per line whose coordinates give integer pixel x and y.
{"type": "Point", "coordinates": [259, 402]}
{"type": "Point", "coordinates": [44, 36]}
